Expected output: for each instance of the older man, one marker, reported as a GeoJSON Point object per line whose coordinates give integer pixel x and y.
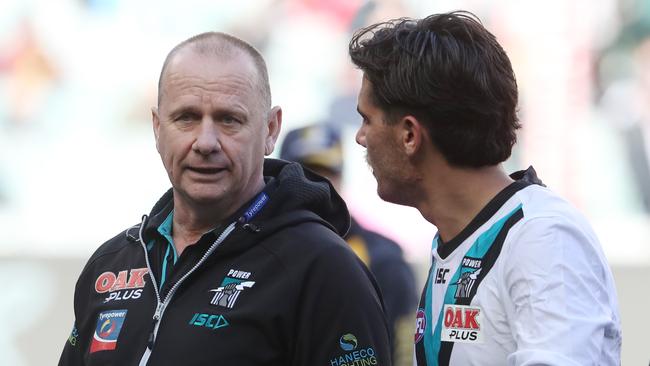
{"type": "Point", "coordinates": [240, 262]}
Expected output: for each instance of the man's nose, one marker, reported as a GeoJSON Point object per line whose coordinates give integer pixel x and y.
{"type": "Point", "coordinates": [207, 138]}
{"type": "Point", "coordinates": [361, 137]}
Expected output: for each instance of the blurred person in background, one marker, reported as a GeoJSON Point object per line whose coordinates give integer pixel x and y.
{"type": "Point", "coordinates": [625, 78]}
{"type": "Point", "coordinates": [518, 276]}
{"type": "Point", "coordinates": [240, 262]}
{"type": "Point", "coordinates": [318, 147]}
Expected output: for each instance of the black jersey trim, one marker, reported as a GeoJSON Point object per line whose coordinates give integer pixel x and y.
{"type": "Point", "coordinates": [445, 249]}
{"type": "Point", "coordinates": [487, 263]}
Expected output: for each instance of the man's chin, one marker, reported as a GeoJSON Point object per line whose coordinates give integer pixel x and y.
{"type": "Point", "coordinates": [203, 197]}
{"type": "Point", "coordinates": [389, 195]}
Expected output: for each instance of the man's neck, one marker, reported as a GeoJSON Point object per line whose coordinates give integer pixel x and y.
{"type": "Point", "coordinates": [193, 219]}
{"type": "Point", "coordinates": [187, 229]}
{"type": "Point", "coordinates": [455, 196]}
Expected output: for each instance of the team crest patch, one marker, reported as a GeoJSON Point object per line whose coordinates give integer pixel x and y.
{"type": "Point", "coordinates": [469, 271]}
{"type": "Point", "coordinates": [109, 326]}
{"type": "Point", "coordinates": [461, 324]}
{"type": "Point", "coordinates": [231, 287]}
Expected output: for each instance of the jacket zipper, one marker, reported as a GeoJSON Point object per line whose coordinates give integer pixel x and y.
{"type": "Point", "coordinates": [162, 305]}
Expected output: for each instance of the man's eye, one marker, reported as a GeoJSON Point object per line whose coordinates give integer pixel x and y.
{"type": "Point", "coordinates": [229, 120]}
{"type": "Point", "coordinates": [186, 117]}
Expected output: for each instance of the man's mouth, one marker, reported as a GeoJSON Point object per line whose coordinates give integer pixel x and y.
{"type": "Point", "coordinates": [206, 170]}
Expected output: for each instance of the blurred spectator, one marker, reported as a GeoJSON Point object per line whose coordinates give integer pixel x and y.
{"type": "Point", "coordinates": [625, 78]}
{"type": "Point", "coordinates": [30, 76]}
{"type": "Point", "coordinates": [318, 147]}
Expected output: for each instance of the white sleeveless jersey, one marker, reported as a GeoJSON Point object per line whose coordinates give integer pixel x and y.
{"type": "Point", "coordinates": [525, 283]}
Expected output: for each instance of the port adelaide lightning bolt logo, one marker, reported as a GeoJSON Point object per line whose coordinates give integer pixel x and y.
{"type": "Point", "coordinates": [231, 287]}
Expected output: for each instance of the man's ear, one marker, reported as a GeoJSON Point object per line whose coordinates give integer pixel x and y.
{"type": "Point", "coordinates": [412, 136]}
{"type": "Point", "coordinates": [274, 124]}
{"type": "Point", "coordinates": [156, 124]}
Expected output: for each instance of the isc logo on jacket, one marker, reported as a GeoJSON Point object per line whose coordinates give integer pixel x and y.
{"type": "Point", "coordinates": [461, 324]}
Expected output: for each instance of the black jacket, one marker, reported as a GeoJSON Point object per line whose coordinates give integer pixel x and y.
{"type": "Point", "coordinates": [282, 288]}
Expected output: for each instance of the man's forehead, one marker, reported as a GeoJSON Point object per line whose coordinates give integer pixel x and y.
{"type": "Point", "coordinates": [194, 72]}
{"type": "Point", "coordinates": [188, 62]}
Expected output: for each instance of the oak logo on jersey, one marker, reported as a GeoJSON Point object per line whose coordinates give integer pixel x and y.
{"type": "Point", "coordinates": [420, 325]}
{"type": "Point", "coordinates": [461, 323]}
{"type": "Point", "coordinates": [469, 271]}
{"type": "Point", "coordinates": [124, 285]}
{"type": "Point", "coordinates": [109, 326]}
{"type": "Point", "coordinates": [232, 285]}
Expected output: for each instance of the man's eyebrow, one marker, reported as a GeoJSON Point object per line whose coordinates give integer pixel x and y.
{"type": "Point", "coordinates": [174, 112]}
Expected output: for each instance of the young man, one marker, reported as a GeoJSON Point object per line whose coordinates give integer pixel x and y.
{"type": "Point", "coordinates": [241, 262]}
{"type": "Point", "coordinates": [318, 147]}
{"type": "Point", "coordinates": [517, 276]}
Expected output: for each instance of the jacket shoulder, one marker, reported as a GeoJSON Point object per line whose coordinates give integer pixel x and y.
{"type": "Point", "coordinates": [114, 245]}
{"type": "Point", "coordinates": [305, 242]}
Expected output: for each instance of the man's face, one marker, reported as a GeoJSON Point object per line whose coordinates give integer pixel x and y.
{"type": "Point", "coordinates": [212, 129]}
{"type": "Point", "coordinates": [381, 141]}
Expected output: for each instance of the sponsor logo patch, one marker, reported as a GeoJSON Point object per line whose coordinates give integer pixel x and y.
{"type": "Point", "coordinates": [74, 334]}
{"type": "Point", "coordinates": [355, 356]}
{"type": "Point", "coordinates": [124, 285]}
{"type": "Point", "coordinates": [231, 287]}
{"type": "Point", "coordinates": [109, 325]}
{"type": "Point", "coordinates": [210, 321]}
{"type": "Point", "coordinates": [348, 342]}
{"type": "Point", "coordinates": [420, 325]}
{"type": "Point", "coordinates": [461, 324]}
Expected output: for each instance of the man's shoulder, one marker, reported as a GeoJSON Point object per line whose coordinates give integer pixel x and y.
{"type": "Point", "coordinates": [311, 233]}
{"type": "Point", "coordinates": [305, 242]}
{"type": "Point", "coordinates": [126, 239]}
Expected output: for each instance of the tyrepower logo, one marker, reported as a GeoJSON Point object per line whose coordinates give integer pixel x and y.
{"type": "Point", "coordinates": [124, 285]}
{"type": "Point", "coordinates": [461, 324]}
{"type": "Point", "coordinates": [109, 326]}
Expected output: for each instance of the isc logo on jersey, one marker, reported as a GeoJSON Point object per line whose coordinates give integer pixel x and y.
{"type": "Point", "coordinates": [461, 324]}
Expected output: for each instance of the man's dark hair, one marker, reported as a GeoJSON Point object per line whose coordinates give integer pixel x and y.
{"type": "Point", "coordinates": [224, 45]}
{"type": "Point", "coordinates": [450, 73]}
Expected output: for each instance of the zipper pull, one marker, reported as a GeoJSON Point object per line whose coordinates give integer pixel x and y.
{"type": "Point", "coordinates": [156, 318]}
{"type": "Point", "coordinates": [156, 314]}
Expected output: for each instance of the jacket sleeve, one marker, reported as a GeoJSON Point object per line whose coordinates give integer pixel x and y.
{"type": "Point", "coordinates": [77, 343]}
{"type": "Point", "coordinates": [72, 354]}
{"type": "Point", "coordinates": [341, 319]}
{"type": "Point", "coordinates": [560, 297]}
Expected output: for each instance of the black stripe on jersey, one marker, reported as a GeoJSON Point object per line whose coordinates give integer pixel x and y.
{"type": "Point", "coordinates": [420, 354]}
{"type": "Point", "coordinates": [445, 249]}
{"type": "Point", "coordinates": [492, 254]}
{"type": "Point", "coordinates": [488, 262]}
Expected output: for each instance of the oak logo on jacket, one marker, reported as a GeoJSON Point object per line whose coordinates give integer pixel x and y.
{"type": "Point", "coordinates": [124, 285]}
{"type": "Point", "coordinates": [109, 325]}
{"type": "Point", "coordinates": [231, 287]}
